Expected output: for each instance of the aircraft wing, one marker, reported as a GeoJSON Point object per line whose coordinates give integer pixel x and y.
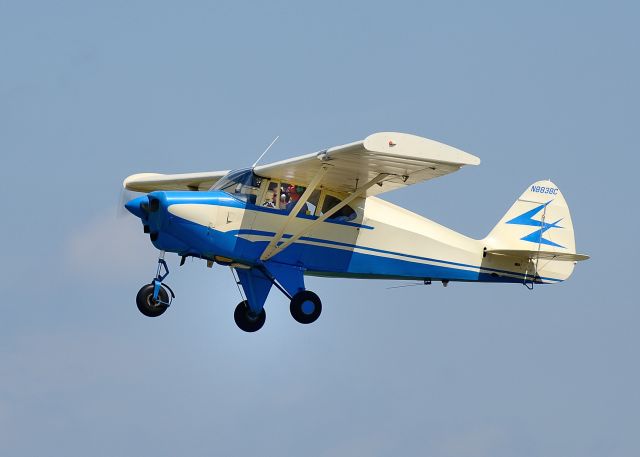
{"type": "Point", "coordinates": [405, 159]}
{"type": "Point", "coordinates": [148, 182]}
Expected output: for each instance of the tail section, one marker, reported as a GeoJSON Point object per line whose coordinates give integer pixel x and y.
{"type": "Point", "coordinates": [538, 228]}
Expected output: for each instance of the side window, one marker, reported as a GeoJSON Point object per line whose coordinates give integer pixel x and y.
{"type": "Point", "coordinates": [346, 213]}
{"type": "Point", "coordinates": [285, 196]}
{"type": "Point", "coordinates": [312, 203]}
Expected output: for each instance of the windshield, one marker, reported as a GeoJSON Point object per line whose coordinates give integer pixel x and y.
{"type": "Point", "coordinates": [242, 184]}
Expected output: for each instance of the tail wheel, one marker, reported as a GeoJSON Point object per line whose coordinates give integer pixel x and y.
{"type": "Point", "coordinates": [247, 320]}
{"type": "Point", "coordinates": [146, 303]}
{"type": "Point", "coordinates": [305, 307]}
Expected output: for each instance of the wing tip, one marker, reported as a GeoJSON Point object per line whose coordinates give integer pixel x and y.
{"type": "Point", "coordinates": [473, 160]}
{"type": "Point", "coordinates": [130, 182]}
{"type": "Point", "coordinates": [408, 144]}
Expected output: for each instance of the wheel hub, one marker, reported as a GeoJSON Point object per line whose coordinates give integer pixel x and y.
{"type": "Point", "coordinates": [308, 307]}
{"type": "Point", "coordinates": [151, 302]}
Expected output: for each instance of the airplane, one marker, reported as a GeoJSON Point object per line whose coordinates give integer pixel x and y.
{"type": "Point", "coordinates": [320, 215]}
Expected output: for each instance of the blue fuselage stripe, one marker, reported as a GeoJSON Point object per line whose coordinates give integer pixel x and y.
{"type": "Point", "coordinates": [381, 251]}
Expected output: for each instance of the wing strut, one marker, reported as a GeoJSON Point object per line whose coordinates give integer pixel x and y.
{"type": "Point", "coordinates": [272, 249]}
{"type": "Point", "coordinates": [294, 212]}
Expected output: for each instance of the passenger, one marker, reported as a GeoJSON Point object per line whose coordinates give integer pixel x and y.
{"type": "Point", "coordinates": [293, 199]}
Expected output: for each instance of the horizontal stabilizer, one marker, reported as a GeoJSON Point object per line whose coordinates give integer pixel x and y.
{"type": "Point", "coordinates": [543, 255]}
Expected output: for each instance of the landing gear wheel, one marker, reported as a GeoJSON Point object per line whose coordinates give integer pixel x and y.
{"type": "Point", "coordinates": [246, 320]}
{"type": "Point", "coordinates": [305, 307]}
{"type": "Point", "coordinates": [147, 305]}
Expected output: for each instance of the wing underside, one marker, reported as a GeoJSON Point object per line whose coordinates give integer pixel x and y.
{"type": "Point", "coordinates": [404, 159]}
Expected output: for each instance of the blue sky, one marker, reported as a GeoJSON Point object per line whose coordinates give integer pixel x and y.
{"type": "Point", "coordinates": [93, 92]}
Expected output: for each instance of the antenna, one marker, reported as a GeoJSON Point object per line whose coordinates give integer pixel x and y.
{"type": "Point", "coordinates": [265, 151]}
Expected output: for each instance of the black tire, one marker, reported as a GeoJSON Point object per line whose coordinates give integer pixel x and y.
{"type": "Point", "coordinates": [147, 305]}
{"type": "Point", "coordinates": [246, 320]}
{"type": "Point", "coordinates": [301, 308]}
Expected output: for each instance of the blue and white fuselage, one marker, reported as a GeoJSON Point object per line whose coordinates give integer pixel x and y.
{"type": "Point", "coordinates": [384, 241]}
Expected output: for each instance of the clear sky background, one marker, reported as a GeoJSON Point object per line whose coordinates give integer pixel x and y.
{"type": "Point", "coordinates": [91, 92]}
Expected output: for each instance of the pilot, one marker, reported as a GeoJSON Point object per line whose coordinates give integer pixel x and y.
{"type": "Point", "coordinates": [294, 196]}
{"type": "Point", "coordinates": [269, 199]}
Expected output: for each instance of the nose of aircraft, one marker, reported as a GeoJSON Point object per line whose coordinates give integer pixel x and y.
{"type": "Point", "coordinates": [170, 231]}
{"type": "Point", "coordinates": [143, 206]}
{"type": "Point", "coordinates": [152, 209]}
{"type": "Point", "coordinates": [135, 206]}
{"type": "Point", "coordinates": [147, 208]}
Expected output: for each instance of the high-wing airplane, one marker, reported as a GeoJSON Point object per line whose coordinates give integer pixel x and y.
{"type": "Point", "coordinates": [319, 214]}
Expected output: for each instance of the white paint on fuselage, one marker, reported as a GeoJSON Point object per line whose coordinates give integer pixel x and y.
{"type": "Point", "coordinates": [400, 230]}
{"type": "Point", "coordinates": [396, 231]}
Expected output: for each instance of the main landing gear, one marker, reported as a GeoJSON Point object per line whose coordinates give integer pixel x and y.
{"type": "Point", "coordinates": [305, 306]}
{"type": "Point", "coordinates": [154, 299]}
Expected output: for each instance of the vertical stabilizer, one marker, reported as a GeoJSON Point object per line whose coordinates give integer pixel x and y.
{"type": "Point", "coordinates": [538, 227]}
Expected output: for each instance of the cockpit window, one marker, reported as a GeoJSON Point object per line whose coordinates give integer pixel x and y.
{"type": "Point", "coordinates": [346, 213]}
{"type": "Point", "coordinates": [242, 184]}
{"type": "Point", "coordinates": [282, 195]}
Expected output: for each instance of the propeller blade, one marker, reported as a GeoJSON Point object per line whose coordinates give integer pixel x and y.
{"type": "Point", "coordinates": [125, 196]}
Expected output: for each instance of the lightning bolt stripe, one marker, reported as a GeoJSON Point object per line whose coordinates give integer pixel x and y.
{"type": "Point", "coordinates": [527, 219]}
